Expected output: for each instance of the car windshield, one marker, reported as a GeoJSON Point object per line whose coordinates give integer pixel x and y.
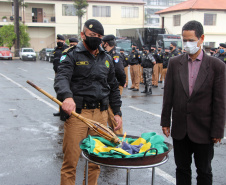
{"type": "Point", "coordinates": [49, 50]}
{"type": "Point", "coordinates": [4, 49]}
{"type": "Point", "coordinates": [124, 44]}
{"type": "Point", "coordinates": [28, 50]}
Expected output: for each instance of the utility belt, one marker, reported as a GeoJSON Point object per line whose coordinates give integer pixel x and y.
{"type": "Point", "coordinates": [133, 64]}
{"type": "Point", "coordinates": [87, 103]}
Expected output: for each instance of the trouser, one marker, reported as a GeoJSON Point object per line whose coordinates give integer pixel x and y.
{"type": "Point", "coordinates": [160, 67]}
{"type": "Point", "coordinates": [126, 72]}
{"type": "Point", "coordinates": [141, 74]}
{"type": "Point", "coordinates": [74, 131]}
{"type": "Point", "coordinates": [164, 70]}
{"type": "Point", "coordinates": [134, 72]}
{"type": "Point", "coordinates": [154, 75]}
{"type": "Point", "coordinates": [111, 120]}
{"type": "Point", "coordinates": [203, 155]}
{"type": "Point", "coordinates": [147, 77]}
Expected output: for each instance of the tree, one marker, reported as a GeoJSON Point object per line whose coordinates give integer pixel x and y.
{"type": "Point", "coordinates": [8, 36]}
{"type": "Point", "coordinates": [80, 5]}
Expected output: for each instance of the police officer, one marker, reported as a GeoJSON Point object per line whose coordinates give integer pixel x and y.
{"type": "Point", "coordinates": [147, 63]}
{"type": "Point", "coordinates": [173, 49]}
{"type": "Point", "coordinates": [125, 64]}
{"type": "Point", "coordinates": [166, 56]}
{"type": "Point", "coordinates": [212, 51]}
{"type": "Point", "coordinates": [61, 46]}
{"type": "Point", "coordinates": [159, 61]}
{"type": "Point", "coordinates": [73, 42]}
{"type": "Point", "coordinates": [134, 60]}
{"type": "Point", "coordinates": [222, 52]}
{"type": "Point", "coordinates": [86, 82]}
{"type": "Point", "coordinates": [109, 44]}
{"type": "Point", "coordinates": [155, 67]}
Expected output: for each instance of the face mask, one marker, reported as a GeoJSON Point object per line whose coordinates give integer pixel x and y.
{"type": "Point", "coordinates": [191, 47]}
{"type": "Point", "coordinates": [152, 49]}
{"type": "Point", "coordinates": [211, 53]}
{"type": "Point", "coordinates": [92, 42]}
{"type": "Point", "coordinates": [159, 50]}
{"type": "Point", "coordinates": [103, 46]}
{"type": "Point", "coordinates": [171, 48]}
{"type": "Point", "coordinates": [167, 53]}
{"type": "Point", "coordinates": [145, 52]}
{"type": "Point", "coordinates": [221, 51]}
{"type": "Point", "coordinates": [60, 44]}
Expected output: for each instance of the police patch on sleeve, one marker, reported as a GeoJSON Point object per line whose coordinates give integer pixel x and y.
{"type": "Point", "coordinates": [107, 64]}
{"type": "Point", "coordinates": [116, 59]}
{"type": "Point", "coordinates": [62, 58]}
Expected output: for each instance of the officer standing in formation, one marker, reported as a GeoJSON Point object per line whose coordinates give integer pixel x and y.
{"type": "Point", "coordinates": [222, 52]}
{"type": "Point", "coordinates": [73, 42]}
{"type": "Point", "coordinates": [134, 60]}
{"type": "Point", "coordinates": [165, 57]}
{"type": "Point", "coordinates": [125, 64]}
{"type": "Point", "coordinates": [86, 82]}
{"type": "Point", "coordinates": [155, 67]}
{"type": "Point", "coordinates": [109, 44]}
{"type": "Point", "coordinates": [147, 63]}
{"type": "Point", "coordinates": [159, 61]}
{"type": "Point", "coordinates": [173, 49]}
{"type": "Point", "coordinates": [61, 46]}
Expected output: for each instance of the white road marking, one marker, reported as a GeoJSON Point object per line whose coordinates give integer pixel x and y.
{"type": "Point", "coordinates": [50, 79]}
{"type": "Point", "coordinates": [5, 63]}
{"type": "Point", "coordinates": [31, 93]}
{"type": "Point", "coordinates": [12, 109]}
{"type": "Point", "coordinates": [22, 69]}
{"type": "Point", "coordinates": [48, 69]}
{"type": "Point", "coordinates": [145, 111]}
{"type": "Point", "coordinates": [158, 171]}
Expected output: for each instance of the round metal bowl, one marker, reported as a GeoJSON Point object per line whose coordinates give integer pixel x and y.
{"type": "Point", "coordinates": [138, 161]}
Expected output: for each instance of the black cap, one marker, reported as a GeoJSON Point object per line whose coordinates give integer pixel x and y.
{"type": "Point", "coordinates": [108, 37]}
{"type": "Point", "coordinates": [95, 26]}
{"type": "Point", "coordinates": [133, 48]}
{"type": "Point", "coordinates": [167, 48]}
{"type": "Point", "coordinates": [134, 44]}
{"type": "Point", "coordinates": [222, 45]}
{"type": "Point", "coordinates": [180, 48]}
{"type": "Point", "coordinates": [153, 46]}
{"type": "Point", "coordinates": [160, 47]}
{"type": "Point", "coordinates": [122, 50]}
{"type": "Point", "coordinates": [213, 49]}
{"type": "Point", "coordinates": [73, 40]}
{"type": "Point", "coordinates": [174, 44]}
{"type": "Point", "coordinates": [60, 37]}
{"type": "Point", "coordinates": [146, 48]}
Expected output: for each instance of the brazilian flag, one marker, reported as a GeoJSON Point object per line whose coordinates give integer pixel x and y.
{"type": "Point", "coordinates": [103, 148]}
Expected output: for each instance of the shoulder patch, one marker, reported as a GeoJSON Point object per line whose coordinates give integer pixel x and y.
{"type": "Point", "coordinates": [62, 58]}
{"type": "Point", "coordinates": [116, 59]}
{"type": "Point", "coordinates": [107, 63]}
{"type": "Point", "coordinates": [68, 49]}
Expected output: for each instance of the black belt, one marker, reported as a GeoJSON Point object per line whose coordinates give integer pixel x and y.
{"type": "Point", "coordinates": [87, 105]}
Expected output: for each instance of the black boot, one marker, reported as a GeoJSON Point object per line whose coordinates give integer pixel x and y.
{"type": "Point", "coordinates": [149, 91]}
{"type": "Point", "coordinates": [145, 90]}
{"type": "Point", "coordinates": [56, 114]}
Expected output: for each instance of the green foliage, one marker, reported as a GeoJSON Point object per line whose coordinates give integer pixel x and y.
{"type": "Point", "coordinates": [8, 36]}
{"type": "Point", "coordinates": [80, 5]}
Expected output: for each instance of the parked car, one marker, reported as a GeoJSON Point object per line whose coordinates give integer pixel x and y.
{"type": "Point", "coordinates": [44, 54]}
{"type": "Point", "coordinates": [51, 56]}
{"type": "Point", "coordinates": [5, 53]}
{"type": "Point", "coordinates": [27, 54]}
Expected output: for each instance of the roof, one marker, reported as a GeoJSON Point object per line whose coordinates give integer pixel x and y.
{"type": "Point", "coordinates": [196, 5]}
{"type": "Point", "coordinates": [118, 1]}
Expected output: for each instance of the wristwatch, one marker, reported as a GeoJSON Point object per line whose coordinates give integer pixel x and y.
{"type": "Point", "coordinates": [118, 113]}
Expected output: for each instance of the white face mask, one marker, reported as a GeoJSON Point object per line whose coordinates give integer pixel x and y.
{"type": "Point", "coordinates": [191, 47]}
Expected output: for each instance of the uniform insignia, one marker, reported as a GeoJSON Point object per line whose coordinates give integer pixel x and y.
{"type": "Point", "coordinates": [138, 56]}
{"type": "Point", "coordinates": [107, 64]}
{"type": "Point", "coordinates": [134, 56]}
{"type": "Point", "coordinates": [90, 26]}
{"type": "Point", "coordinates": [81, 63]}
{"type": "Point", "coordinates": [62, 58]}
{"type": "Point", "coordinates": [116, 59]}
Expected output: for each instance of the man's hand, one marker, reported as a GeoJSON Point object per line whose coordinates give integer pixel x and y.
{"type": "Point", "coordinates": [166, 131]}
{"type": "Point", "coordinates": [125, 85]}
{"type": "Point", "coordinates": [68, 105]}
{"type": "Point", "coordinates": [118, 120]}
{"type": "Point", "coordinates": [216, 140]}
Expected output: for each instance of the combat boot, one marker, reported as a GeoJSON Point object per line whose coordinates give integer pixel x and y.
{"type": "Point", "coordinates": [145, 90]}
{"type": "Point", "coordinates": [149, 91]}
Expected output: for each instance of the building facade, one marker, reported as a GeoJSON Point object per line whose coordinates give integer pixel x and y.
{"type": "Point", "coordinates": [47, 18]}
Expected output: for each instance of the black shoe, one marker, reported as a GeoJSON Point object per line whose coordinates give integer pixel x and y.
{"type": "Point", "coordinates": [155, 86]}
{"type": "Point", "coordinates": [162, 88]}
{"type": "Point", "coordinates": [145, 90]}
{"type": "Point", "coordinates": [130, 88]}
{"type": "Point", "coordinates": [56, 114]}
{"type": "Point", "coordinates": [135, 89]}
{"type": "Point", "coordinates": [160, 82]}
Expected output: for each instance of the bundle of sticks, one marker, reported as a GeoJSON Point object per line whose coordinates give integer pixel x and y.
{"type": "Point", "coordinates": [99, 128]}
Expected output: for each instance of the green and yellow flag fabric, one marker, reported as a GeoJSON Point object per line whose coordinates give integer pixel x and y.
{"type": "Point", "coordinates": [103, 148]}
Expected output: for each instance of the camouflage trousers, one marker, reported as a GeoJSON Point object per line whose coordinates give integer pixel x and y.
{"type": "Point", "coordinates": [147, 72]}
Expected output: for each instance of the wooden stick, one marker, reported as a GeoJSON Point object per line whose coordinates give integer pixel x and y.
{"type": "Point", "coordinates": [100, 129]}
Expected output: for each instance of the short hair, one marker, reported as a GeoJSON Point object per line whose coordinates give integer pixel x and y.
{"type": "Point", "coordinates": [194, 26]}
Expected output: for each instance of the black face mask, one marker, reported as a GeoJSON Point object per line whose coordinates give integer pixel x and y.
{"type": "Point", "coordinates": [145, 52]}
{"type": "Point", "coordinates": [93, 42]}
{"type": "Point", "coordinates": [159, 50]}
{"type": "Point", "coordinates": [167, 53]}
{"type": "Point", "coordinates": [211, 53]}
{"type": "Point", "coordinates": [152, 50]}
{"type": "Point", "coordinates": [171, 48]}
{"type": "Point", "coordinates": [60, 44]}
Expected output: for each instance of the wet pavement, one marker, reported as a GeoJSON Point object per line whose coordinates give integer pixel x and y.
{"type": "Point", "coordinates": [31, 137]}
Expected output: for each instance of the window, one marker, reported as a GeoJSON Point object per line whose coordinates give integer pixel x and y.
{"type": "Point", "coordinates": [101, 11]}
{"type": "Point", "coordinates": [210, 19]}
{"type": "Point", "coordinates": [176, 20]}
{"type": "Point", "coordinates": [153, 21]}
{"type": "Point", "coordinates": [68, 10]}
{"type": "Point", "coordinates": [130, 12]}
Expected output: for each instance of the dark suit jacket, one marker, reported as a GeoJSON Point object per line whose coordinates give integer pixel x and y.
{"type": "Point", "coordinates": [201, 115]}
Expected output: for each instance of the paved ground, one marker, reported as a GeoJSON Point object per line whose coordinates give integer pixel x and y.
{"type": "Point", "coordinates": [31, 138]}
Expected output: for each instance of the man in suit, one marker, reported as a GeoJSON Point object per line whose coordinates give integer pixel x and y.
{"type": "Point", "coordinates": [195, 92]}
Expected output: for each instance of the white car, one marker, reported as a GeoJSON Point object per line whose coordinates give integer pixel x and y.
{"type": "Point", "coordinates": [27, 54]}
